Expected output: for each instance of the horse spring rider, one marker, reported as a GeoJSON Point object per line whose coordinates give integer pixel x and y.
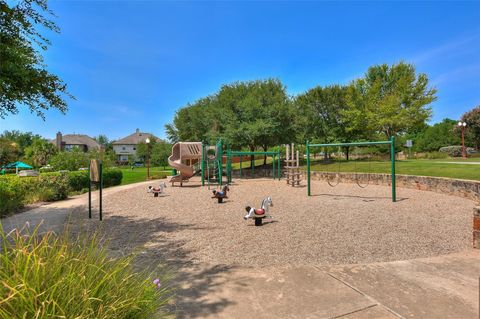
{"type": "Point", "coordinates": [156, 191]}
{"type": "Point", "coordinates": [220, 195]}
{"type": "Point", "coordinates": [258, 214]}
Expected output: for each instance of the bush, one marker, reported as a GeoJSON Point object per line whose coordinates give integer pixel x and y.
{"type": "Point", "coordinates": [455, 151]}
{"type": "Point", "coordinates": [64, 277]}
{"type": "Point", "coordinates": [112, 177]}
{"type": "Point", "coordinates": [12, 195]}
{"type": "Point", "coordinates": [78, 180]}
{"type": "Point", "coordinates": [53, 186]}
{"type": "Point", "coordinates": [436, 155]}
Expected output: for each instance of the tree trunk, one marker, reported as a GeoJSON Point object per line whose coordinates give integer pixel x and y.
{"type": "Point", "coordinates": [252, 157]}
{"type": "Point", "coordinates": [264, 156]}
{"type": "Point", "coordinates": [347, 152]}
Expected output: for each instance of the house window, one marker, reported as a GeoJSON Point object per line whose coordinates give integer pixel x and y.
{"type": "Point", "coordinates": [134, 148]}
{"type": "Point", "coordinates": [123, 148]}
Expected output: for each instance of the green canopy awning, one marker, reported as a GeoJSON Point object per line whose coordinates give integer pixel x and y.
{"type": "Point", "coordinates": [17, 165]}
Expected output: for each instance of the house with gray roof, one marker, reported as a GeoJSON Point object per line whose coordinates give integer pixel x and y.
{"type": "Point", "coordinates": [127, 147]}
{"type": "Point", "coordinates": [68, 142]}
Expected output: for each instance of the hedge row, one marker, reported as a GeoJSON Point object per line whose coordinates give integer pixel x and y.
{"type": "Point", "coordinates": [15, 192]}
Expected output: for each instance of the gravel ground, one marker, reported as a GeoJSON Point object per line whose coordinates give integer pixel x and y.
{"type": "Point", "coordinates": [341, 225]}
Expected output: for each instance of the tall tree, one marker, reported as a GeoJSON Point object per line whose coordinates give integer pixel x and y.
{"type": "Point", "coordinates": [436, 136]}
{"type": "Point", "coordinates": [103, 140]}
{"type": "Point", "coordinates": [9, 151]}
{"type": "Point", "coordinates": [472, 131]}
{"type": "Point", "coordinates": [24, 79]}
{"type": "Point", "coordinates": [389, 99]}
{"type": "Point", "coordinates": [253, 114]}
{"type": "Point", "coordinates": [21, 139]}
{"type": "Point", "coordinates": [40, 152]}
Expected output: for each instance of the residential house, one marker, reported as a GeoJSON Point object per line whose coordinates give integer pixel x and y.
{"type": "Point", "coordinates": [127, 147]}
{"type": "Point", "coordinates": [70, 141]}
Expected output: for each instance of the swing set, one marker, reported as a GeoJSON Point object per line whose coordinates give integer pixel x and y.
{"type": "Point", "coordinates": [391, 142]}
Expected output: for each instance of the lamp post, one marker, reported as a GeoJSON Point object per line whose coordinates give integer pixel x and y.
{"type": "Point", "coordinates": [462, 125]}
{"type": "Point", "coordinates": [148, 157]}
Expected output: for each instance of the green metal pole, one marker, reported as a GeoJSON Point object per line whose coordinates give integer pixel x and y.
{"type": "Point", "coordinates": [89, 193]}
{"type": "Point", "coordinates": [229, 166]}
{"type": "Point", "coordinates": [308, 169]}
{"type": "Point", "coordinates": [101, 186]}
{"type": "Point", "coordinates": [203, 165]}
{"type": "Point", "coordinates": [220, 162]}
{"type": "Point", "coordinates": [278, 164]}
{"type": "Point", "coordinates": [253, 166]}
{"type": "Point", "coordinates": [273, 167]}
{"type": "Point", "coordinates": [241, 157]}
{"type": "Point", "coordinates": [392, 151]}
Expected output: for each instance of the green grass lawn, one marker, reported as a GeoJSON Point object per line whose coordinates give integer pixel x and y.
{"type": "Point", "coordinates": [139, 174]}
{"type": "Point", "coordinates": [408, 167]}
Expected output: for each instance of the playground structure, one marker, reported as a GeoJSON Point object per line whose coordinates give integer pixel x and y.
{"type": "Point", "coordinates": [212, 164]}
{"type": "Point", "coordinates": [185, 157]}
{"type": "Point", "coordinates": [275, 162]}
{"type": "Point", "coordinates": [190, 158]}
{"type": "Point", "coordinates": [293, 173]}
{"type": "Point", "coordinates": [391, 142]}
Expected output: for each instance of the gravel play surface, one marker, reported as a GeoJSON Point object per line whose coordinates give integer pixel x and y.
{"type": "Point", "coordinates": [340, 225]}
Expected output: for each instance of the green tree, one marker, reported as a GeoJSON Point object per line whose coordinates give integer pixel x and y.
{"type": "Point", "coordinates": [389, 99]}
{"type": "Point", "coordinates": [103, 140]}
{"type": "Point", "coordinates": [70, 160]}
{"type": "Point", "coordinates": [255, 114]}
{"type": "Point", "coordinates": [21, 139]}
{"type": "Point", "coordinates": [320, 116]}
{"type": "Point", "coordinates": [472, 131]}
{"type": "Point", "coordinates": [24, 79]}
{"type": "Point", "coordinates": [437, 136]}
{"type": "Point", "coordinates": [9, 151]}
{"type": "Point", "coordinates": [39, 152]}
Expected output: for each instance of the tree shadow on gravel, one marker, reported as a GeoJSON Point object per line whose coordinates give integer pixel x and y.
{"type": "Point", "coordinates": [195, 283]}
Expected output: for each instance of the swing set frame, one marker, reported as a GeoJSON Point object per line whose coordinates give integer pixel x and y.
{"type": "Point", "coordinates": [391, 142]}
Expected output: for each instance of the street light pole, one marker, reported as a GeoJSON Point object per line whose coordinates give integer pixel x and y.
{"type": "Point", "coordinates": [463, 125]}
{"type": "Point", "coordinates": [148, 157]}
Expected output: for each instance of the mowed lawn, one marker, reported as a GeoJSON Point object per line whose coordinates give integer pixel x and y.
{"type": "Point", "coordinates": [441, 168]}
{"type": "Point", "coordinates": [139, 174]}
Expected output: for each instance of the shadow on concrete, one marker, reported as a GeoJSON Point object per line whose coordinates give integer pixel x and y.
{"type": "Point", "coordinates": [150, 241]}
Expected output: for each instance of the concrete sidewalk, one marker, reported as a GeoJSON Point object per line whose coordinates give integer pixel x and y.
{"type": "Point", "coordinates": [437, 287]}
{"type": "Point", "coordinates": [53, 216]}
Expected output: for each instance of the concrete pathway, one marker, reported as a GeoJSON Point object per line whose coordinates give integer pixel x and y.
{"type": "Point", "coordinates": [54, 215]}
{"type": "Point", "coordinates": [437, 287]}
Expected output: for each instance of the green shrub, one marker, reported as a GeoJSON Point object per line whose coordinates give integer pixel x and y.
{"type": "Point", "coordinates": [455, 150]}
{"type": "Point", "coordinates": [53, 186]}
{"type": "Point", "coordinates": [52, 276]}
{"type": "Point", "coordinates": [12, 195]}
{"type": "Point", "coordinates": [112, 177]}
{"type": "Point", "coordinates": [436, 155]}
{"type": "Point", "coordinates": [78, 180]}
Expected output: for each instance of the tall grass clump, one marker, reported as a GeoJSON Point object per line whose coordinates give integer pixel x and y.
{"type": "Point", "coordinates": [58, 276]}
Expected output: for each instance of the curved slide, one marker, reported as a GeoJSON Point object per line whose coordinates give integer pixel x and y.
{"type": "Point", "coordinates": [180, 152]}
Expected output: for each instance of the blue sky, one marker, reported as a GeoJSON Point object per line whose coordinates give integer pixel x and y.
{"type": "Point", "coordinates": [132, 64]}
